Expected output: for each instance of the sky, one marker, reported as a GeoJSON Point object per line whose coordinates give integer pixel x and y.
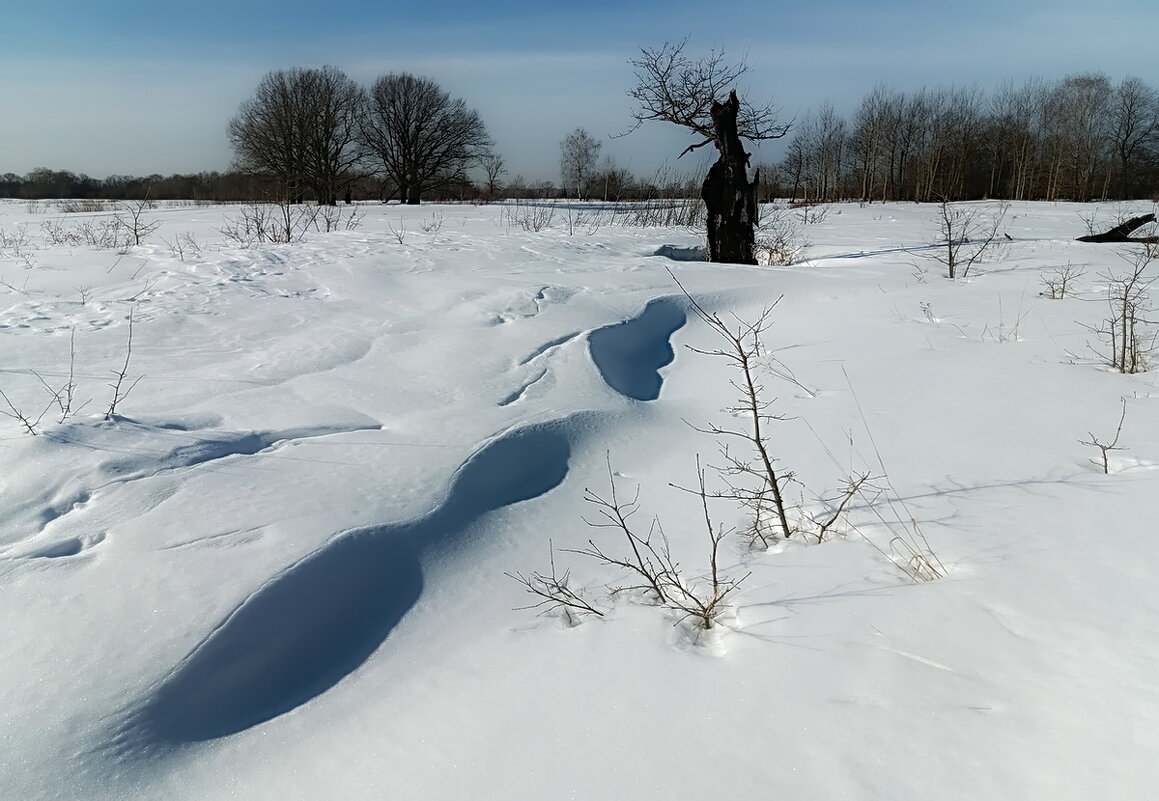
{"type": "Point", "coordinates": [135, 88]}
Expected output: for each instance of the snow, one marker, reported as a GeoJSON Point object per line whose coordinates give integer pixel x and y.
{"type": "Point", "coordinates": [278, 571]}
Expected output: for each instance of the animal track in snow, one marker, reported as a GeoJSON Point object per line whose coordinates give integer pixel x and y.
{"type": "Point", "coordinates": [62, 507]}
{"type": "Point", "coordinates": [71, 546]}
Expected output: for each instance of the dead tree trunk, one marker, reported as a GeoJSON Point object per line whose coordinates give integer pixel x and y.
{"type": "Point", "coordinates": [1122, 233]}
{"type": "Point", "coordinates": [413, 193]}
{"type": "Point", "coordinates": [729, 196]}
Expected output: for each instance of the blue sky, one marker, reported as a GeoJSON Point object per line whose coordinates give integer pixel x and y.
{"type": "Point", "coordinates": [137, 87]}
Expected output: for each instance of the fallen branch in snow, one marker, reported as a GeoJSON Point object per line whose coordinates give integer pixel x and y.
{"type": "Point", "coordinates": [1123, 231]}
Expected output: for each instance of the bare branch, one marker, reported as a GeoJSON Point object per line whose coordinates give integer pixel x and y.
{"type": "Point", "coordinates": [697, 146]}
{"type": "Point", "coordinates": [672, 87]}
{"type": "Point", "coordinates": [554, 592]}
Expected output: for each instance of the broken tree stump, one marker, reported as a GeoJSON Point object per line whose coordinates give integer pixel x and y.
{"type": "Point", "coordinates": [1122, 232]}
{"type": "Point", "coordinates": [729, 196]}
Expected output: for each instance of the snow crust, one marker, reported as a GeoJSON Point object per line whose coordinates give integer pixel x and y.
{"type": "Point", "coordinates": [278, 571]}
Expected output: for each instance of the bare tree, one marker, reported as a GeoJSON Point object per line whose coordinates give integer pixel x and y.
{"type": "Point", "coordinates": [1082, 138]}
{"type": "Point", "coordinates": [494, 167]}
{"type": "Point", "coordinates": [555, 593]}
{"type": "Point", "coordinates": [1135, 109]}
{"type": "Point", "coordinates": [266, 133]}
{"type": "Point", "coordinates": [131, 218]}
{"type": "Point", "coordinates": [578, 152]}
{"type": "Point", "coordinates": [1061, 280]}
{"type": "Point", "coordinates": [674, 88]}
{"type": "Point", "coordinates": [754, 479]}
{"type": "Point", "coordinates": [299, 129]}
{"type": "Point", "coordinates": [611, 181]}
{"type": "Point", "coordinates": [335, 107]}
{"type": "Point", "coordinates": [866, 141]}
{"type": "Point", "coordinates": [654, 574]}
{"type": "Point", "coordinates": [953, 128]}
{"type": "Point", "coordinates": [421, 136]}
{"type": "Point", "coordinates": [1016, 121]}
{"type": "Point", "coordinates": [1078, 112]}
{"type": "Point", "coordinates": [817, 155]}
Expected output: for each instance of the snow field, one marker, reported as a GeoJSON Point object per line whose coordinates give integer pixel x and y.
{"type": "Point", "coordinates": [279, 572]}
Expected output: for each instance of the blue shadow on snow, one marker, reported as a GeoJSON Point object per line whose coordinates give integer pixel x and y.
{"type": "Point", "coordinates": [315, 623]}
{"type": "Point", "coordinates": [630, 354]}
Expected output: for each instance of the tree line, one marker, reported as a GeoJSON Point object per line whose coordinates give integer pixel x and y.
{"type": "Point", "coordinates": [1078, 138]}
{"type": "Point", "coordinates": [45, 184]}
{"type": "Point", "coordinates": [606, 181]}
{"type": "Point", "coordinates": [315, 134]}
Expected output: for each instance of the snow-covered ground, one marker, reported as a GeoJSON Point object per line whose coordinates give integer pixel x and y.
{"type": "Point", "coordinates": [278, 572]}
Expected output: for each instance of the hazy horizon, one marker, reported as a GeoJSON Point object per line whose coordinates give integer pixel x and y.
{"type": "Point", "coordinates": [132, 88]}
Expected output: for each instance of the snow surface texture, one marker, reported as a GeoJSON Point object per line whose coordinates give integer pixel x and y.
{"type": "Point", "coordinates": [278, 571]}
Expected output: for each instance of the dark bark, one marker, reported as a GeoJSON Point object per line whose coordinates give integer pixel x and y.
{"type": "Point", "coordinates": [729, 196]}
{"type": "Point", "coordinates": [1122, 233]}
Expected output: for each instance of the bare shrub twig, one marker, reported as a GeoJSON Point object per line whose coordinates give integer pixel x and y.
{"type": "Point", "coordinates": [966, 235]}
{"type": "Point", "coordinates": [1059, 280]}
{"type": "Point", "coordinates": [555, 593]}
{"type": "Point", "coordinates": [756, 484]}
{"type": "Point", "coordinates": [120, 394]}
{"type": "Point", "coordinates": [1104, 448]}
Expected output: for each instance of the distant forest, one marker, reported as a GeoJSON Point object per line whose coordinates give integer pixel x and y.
{"type": "Point", "coordinates": [221, 187]}
{"type": "Point", "coordinates": [1079, 138]}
